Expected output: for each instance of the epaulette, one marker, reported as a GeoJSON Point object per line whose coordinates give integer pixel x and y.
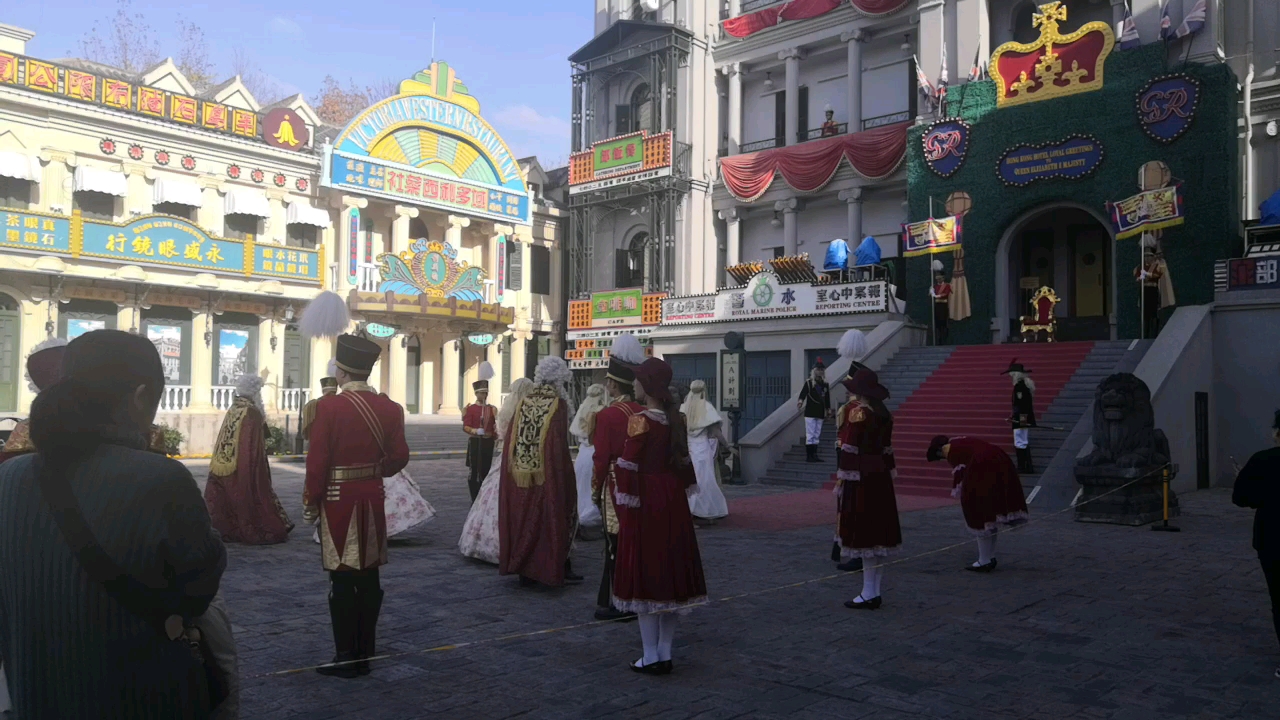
{"type": "Point", "coordinates": [637, 425]}
{"type": "Point", "coordinates": [858, 413]}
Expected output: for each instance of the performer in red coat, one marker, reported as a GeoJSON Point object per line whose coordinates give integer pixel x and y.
{"type": "Point", "coordinates": [989, 489]}
{"type": "Point", "coordinates": [478, 422]}
{"type": "Point", "coordinates": [659, 569]}
{"type": "Point", "coordinates": [609, 437]}
{"type": "Point", "coordinates": [357, 439]}
{"type": "Point", "coordinates": [864, 483]}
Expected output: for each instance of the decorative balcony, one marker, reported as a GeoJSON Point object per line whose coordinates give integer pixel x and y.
{"type": "Point", "coordinates": [760, 15]}
{"type": "Point", "coordinates": [821, 132]}
{"type": "Point", "coordinates": [808, 167]}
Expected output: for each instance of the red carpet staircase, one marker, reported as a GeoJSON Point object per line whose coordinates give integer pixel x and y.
{"type": "Point", "coordinates": [968, 395]}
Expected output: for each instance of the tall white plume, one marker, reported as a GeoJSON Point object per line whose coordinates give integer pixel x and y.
{"type": "Point", "coordinates": [332, 369]}
{"type": "Point", "coordinates": [325, 316]}
{"type": "Point", "coordinates": [937, 266]}
{"type": "Point", "coordinates": [486, 371]}
{"type": "Point", "coordinates": [627, 349]}
{"type": "Point", "coordinates": [853, 345]}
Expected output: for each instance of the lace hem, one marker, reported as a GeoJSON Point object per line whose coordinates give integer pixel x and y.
{"type": "Point", "coordinates": [851, 475]}
{"type": "Point", "coordinates": [645, 607]}
{"type": "Point", "coordinates": [851, 449]}
{"type": "Point", "coordinates": [893, 474]}
{"type": "Point", "coordinates": [627, 464]}
{"type": "Point", "coordinates": [691, 491]}
{"type": "Point", "coordinates": [955, 491]}
{"type": "Point", "coordinates": [1011, 520]}
{"type": "Point", "coordinates": [631, 501]}
{"type": "Point", "coordinates": [864, 553]}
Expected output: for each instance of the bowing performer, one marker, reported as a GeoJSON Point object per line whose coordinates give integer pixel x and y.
{"type": "Point", "coordinates": [609, 437]}
{"type": "Point", "coordinates": [357, 439]}
{"type": "Point", "coordinates": [1024, 414]}
{"type": "Point", "coordinates": [989, 489]}
{"type": "Point", "coordinates": [659, 569]}
{"type": "Point", "coordinates": [869, 525]}
{"type": "Point", "coordinates": [478, 422]}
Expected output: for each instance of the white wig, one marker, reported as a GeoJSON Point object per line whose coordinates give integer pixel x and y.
{"type": "Point", "coordinates": [47, 343]}
{"type": "Point", "coordinates": [698, 413]}
{"type": "Point", "coordinates": [853, 345]}
{"type": "Point", "coordinates": [1017, 377]}
{"type": "Point", "coordinates": [519, 388]}
{"type": "Point", "coordinates": [249, 386]}
{"type": "Point", "coordinates": [554, 371]}
{"type": "Point", "coordinates": [331, 370]}
{"type": "Point", "coordinates": [584, 422]}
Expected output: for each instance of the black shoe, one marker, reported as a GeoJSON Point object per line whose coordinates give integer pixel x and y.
{"type": "Point", "coordinates": [852, 565]}
{"type": "Point", "coordinates": [347, 671]}
{"type": "Point", "coordinates": [982, 568]}
{"type": "Point", "coordinates": [612, 613]}
{"type": "Point", "coordinates": [570, 577]}
{"type": "Point", "coordinates": [835, 552]}
{"type": "Point", "coordinates": [662, 667]}
{"type": "Point", "coordinates": [872, 604]}
{"type": "Point", "coordinates": [527, 581]}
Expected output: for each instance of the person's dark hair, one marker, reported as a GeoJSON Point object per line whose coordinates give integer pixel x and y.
{"type": "Point", "coordinates": [934, 453]}
{"type": "Point", "coordinates": [679, 433]}
{"type": "Point", "coordinates": [100, 374]}
{"type": "Point", "coordinates": [358, 378]}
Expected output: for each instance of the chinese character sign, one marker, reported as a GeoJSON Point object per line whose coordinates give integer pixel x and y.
{"type": "Point", "coordinates": [162, 241]}
{"type": "Point", "coordinates": [424, 188]}
{"type": "Point", "coordinates": [619, 155]}
{"type": "Point", "coordinates": [616, 308]}
{"type": "Point", "coordinates": [292, 263]}
{"type": "Point", "coordinates": [34, 232]}
{"type": "Point", "coordinates": [766, 297]}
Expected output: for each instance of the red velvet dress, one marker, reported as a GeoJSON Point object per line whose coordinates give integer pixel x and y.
{"type": "Point", "coordinates": [242, 505]}
{"type": "Point", "coordinates": [988, 484]}
{"type": "Point", "coordinates": [658, 564]}
{"type": "Point", "coordinates": [868, 508]}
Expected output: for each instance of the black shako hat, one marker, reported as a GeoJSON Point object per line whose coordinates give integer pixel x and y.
{"type": "Point", "coordinates": [357, 355]}
{"type": "Point", "coordinates": [1015, 366]}
{"type": "Point", "coordinates": [621, 372]}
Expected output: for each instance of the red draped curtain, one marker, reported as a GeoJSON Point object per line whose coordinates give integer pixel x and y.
{"type": "Point", "coordinates": [809, 166]}
{"type": "Point", "coordinates": [752, 23]}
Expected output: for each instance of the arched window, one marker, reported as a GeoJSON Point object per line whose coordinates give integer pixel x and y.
{"type": "Point", "coordinates": [1021, 28]}
{"type": "Point", "coordinates": [641, 109]}
{"type": "Point", "coordinates": [642, 262]}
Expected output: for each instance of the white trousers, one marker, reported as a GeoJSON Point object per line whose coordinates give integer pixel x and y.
{"type": "Point", "coordinates": [1021, 438]}
{"type": "Point", "coordinates": [812, 431]}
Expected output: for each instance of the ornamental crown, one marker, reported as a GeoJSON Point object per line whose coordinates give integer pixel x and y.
{"type": "Point", "coordinates": [1055, 64]}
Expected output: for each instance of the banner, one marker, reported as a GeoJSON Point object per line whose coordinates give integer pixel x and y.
{"type": "Point", "coordinates": [1151, 210]}
{"type": "Point", "coordinates": [931, 236]}
{"type": "Point", "coordinates": [765, 296]}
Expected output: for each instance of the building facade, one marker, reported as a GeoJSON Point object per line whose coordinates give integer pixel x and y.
{"type": "Point", "coordinates": [137, 202]}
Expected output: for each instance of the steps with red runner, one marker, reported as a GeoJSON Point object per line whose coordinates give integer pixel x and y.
{"type": "Point", "coordinates": [969, 395]}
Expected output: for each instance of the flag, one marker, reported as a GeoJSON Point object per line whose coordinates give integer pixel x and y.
{"type": "Point", "coordinates": [1193, 22]}
{"type": "Point", "coordinates": [1166, 23]}
{"type": "Point", "coordinates": [1128, 32]}
{"type": "Point", "coordinates": [975, 71]}
{"type": "Point", "coordinates": [942, 78]}
{"type": "Point", "coordinates": [926, 87]}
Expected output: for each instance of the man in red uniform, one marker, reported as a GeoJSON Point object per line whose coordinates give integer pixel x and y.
{"type": "Point", "coordinates": [478, 421]}
{"type": "Point", "coordinates": [610, 435]}
{"type": "Point", "coordinates": [357, 439]}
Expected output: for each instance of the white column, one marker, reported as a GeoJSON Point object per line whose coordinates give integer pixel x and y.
{"type": "Point", "coordinates": [732, 236]}
{"type": "Point", "coordinates": [201, 360]}
{"type": "Point", "coordinates": [930, 42]}
{"type": "Point", "coordinates": [398, 369]}
{"type": "Point", "coordinates": [209, 215]}
{"type": "Point", "coordinates": [491, 264]}
{"type": "Point", "coordinates": [275, 227]}
{"type": "Point", "coordinates": [853, 199]}
{"type": "Point", "coordinates": [790, 232]}
{"type": "Point", "coordinates": [1117, 17]}
{"type": "Point", "coordinates": [854, 80]}
{"type": "Point", "coordinates": [400, 228]}
{"type": "Point", "coordinates": [138, 202]}
{"type": "Point", "coordinates": [453, 235]}
{"type": "Point", "coordinates": [792, 57]}
{"type": "Point", "coordinates": [449, 378]}
{"type": "Point", "coordinates": [321, 354]}
{"type": "Point", "coordinates": [735, 8]}
{"type": "Point", "coordinates": [428, 392]}
{"type": "Point", "coordinates": [55, 185]}
{"type": "Point", "coordinates": [735, 108]}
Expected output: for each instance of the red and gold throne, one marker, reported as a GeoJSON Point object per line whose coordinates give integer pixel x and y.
{"type": "Point", "coordinates": [1041, 319]}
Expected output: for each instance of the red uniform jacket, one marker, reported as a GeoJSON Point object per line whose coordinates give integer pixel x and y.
{"type": "Point", "coordinates": [479, 417]}
{"type": "Point", "coordinates": [609, 437]}
{"type": "Point", "coordinates": [340, 437]}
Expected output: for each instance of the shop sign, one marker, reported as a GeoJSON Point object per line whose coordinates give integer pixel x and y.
{"type": "Point", "coordinates": [1144, 212]}
{"type": "Point", "coordinates": [1071, 159]}
{"type": "Point", "coordinates": [481, 339]}
{"type": "Point", "coordinates": [1167, 105]}
{"type": "Point", "coordinates": [408, 185]}
{"type": "Point", "coordinates": [731, 379]}
{"type": "Point", "coordinates": [378, 330]}
{"type": "Point", "coordinates": [593, 353]}
{"type": "Point", "coordinates": [1055, 65]}
{"type": "Point", "coordinates": [284, 128]}
{"type": "Point", "coordinates": [89, 88]}
{"type": "Point", "coordinates": [945, 144]}
{"type": "Point", "coordinates": [626, 308]}
{"type": "Point", "coordinates": [35, 232]}
{"type": "Point", "coordinates": [765, 296]}
{"type": "Point", "coordinates": [1255, 273]}
{"type": "Point", "coordinates": [619, 161]}
{"type": "Point", "coordinates": [353, 246]}
{"type": "Point", "coordinates": [501, 259]}
{"type": "Point", "coordinates": [930, 236]}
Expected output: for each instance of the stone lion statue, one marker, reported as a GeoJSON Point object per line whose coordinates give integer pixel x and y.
{"type": "Point", "coordinates": [1124, 432]}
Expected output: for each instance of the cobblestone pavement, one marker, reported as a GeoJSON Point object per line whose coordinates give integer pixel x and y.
{"type": "Point", "coordinates": [1080, 621]}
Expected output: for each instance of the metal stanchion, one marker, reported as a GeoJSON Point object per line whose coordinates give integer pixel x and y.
{"type": "Point", "coordinates": [1164, 526]}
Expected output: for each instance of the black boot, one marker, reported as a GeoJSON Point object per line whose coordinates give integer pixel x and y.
{"type": "Point", "coordinates": [570, 577]}
{"type": "Point", "coordinates": [811, 453]}
{"type": "Point", "coordinates": [370, 603]}
{"type": "Point", "coordinates": [343, 615]}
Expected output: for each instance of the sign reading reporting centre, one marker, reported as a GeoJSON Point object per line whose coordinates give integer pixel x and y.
{"type": "Point", "coordinates": [766, 297]}
{"type": "Point", "coordinates": [429, 146]}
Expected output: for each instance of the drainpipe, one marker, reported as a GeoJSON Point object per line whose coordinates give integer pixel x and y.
{"type": "Point", "coordinates": [1248, 124]}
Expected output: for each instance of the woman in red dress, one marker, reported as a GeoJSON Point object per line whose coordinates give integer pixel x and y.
{"type": "Point", "coordinates": [658, 570]}
{"type": "Point", "coordinates": [869, 526]}
{"type": "Point", "coordinates": [990, 491]}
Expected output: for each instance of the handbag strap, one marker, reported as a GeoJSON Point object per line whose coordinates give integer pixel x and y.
{"type": "Point", "coordinates": [127, 590]}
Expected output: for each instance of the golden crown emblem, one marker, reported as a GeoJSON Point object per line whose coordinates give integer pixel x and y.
{"type": "Point", "coordinates": [1055, 64]}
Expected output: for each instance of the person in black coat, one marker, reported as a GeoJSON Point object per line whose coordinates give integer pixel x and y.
{"type": "Point", "coordinates": [1258, 487]}
{"type": "Point", "coordinates": [1024, 414]}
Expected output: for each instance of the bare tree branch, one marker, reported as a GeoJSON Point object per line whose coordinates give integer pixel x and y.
{"type": "Point", "coordinates": [264, 89]}
{"type": "Point", "coordinates": [127, 41]}
{"type": "Point", "coordinates": [193, 56]}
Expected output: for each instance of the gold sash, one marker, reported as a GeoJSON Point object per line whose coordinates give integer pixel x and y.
{"type": "Point", "coordinates": [533, 420]}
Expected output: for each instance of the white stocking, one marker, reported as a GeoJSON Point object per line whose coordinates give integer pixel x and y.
{"type": "Point", "coordinates": [986, 549]}
{"type": "Point", "coordinates": [666, 634]}
{"type": "Point", "coordinates": [869, 578]}
{"type": "Point", "coordinates": [649, 636]}
{"type": "Point", "coordinates": [879, 574]}
{"type": "Point", "coordinates": [994, 536]}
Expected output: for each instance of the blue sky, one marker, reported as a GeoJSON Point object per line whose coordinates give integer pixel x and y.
{"type": "Point", "coordinates": [512, 55]}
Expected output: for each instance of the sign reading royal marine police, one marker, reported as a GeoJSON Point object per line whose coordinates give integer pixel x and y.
{"type": "Point", "coordinates": [429, 146]}
{"type": "Point", "coordinates": [764, 296]}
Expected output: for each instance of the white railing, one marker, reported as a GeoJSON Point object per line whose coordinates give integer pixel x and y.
{"type": "Point", "coordinates": [175, 398]}
{"type": "Point", "coordinates": [369, 277]}
{"type": "Point", "coordinates": [223, 396]}
{"type": "Point", "coordinates": [292, 399]}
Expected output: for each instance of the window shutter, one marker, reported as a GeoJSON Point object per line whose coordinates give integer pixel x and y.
{"type": "Point", "coordinates": [622, 119]}
{"type": "Point", "coordinates": [780, 117]}
{"type": "Point", "coordinates": [515, 266]}
{"type": "Point", "coordinates": [540, 270]}
{"type": "Point", "coordinates": [621, 268]}
{"type": "Point", "coordinates": [803, 114]}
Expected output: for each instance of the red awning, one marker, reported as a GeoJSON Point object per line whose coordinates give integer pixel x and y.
{"type": "Point", "coordinates": [752, 23]}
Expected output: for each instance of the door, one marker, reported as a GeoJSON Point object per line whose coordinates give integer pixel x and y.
{"type": "Point", "coordinates": [411, 400]}
{"type": "Point", "coordinates": [10, 326]}
{"type": "Point", "coordinates": [802, 126]}
{"type": "Point", "coordinates": [780, 118]}
{"type": "Point", "coordinates": [1090, 271]}
{"type": "Point", "coordinates": [693, 366]}
{"type": "Point", "coordinates": [766, 386]}
{"type": "Point", "coordinates": [297, 360]}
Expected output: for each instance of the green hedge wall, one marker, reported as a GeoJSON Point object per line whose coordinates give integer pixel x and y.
{"type": "Point", "coordinates": [1205, 159]}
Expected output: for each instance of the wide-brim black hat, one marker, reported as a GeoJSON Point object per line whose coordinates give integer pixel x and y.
{"type": "Point", "coordinates": [1014, 367]}
{"type": "Point", "coordinates": [621, 372]}
{"type": "Point", "coordinates": [357, 355]}
{"type": "Point", "coordinates": [866, 383]}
